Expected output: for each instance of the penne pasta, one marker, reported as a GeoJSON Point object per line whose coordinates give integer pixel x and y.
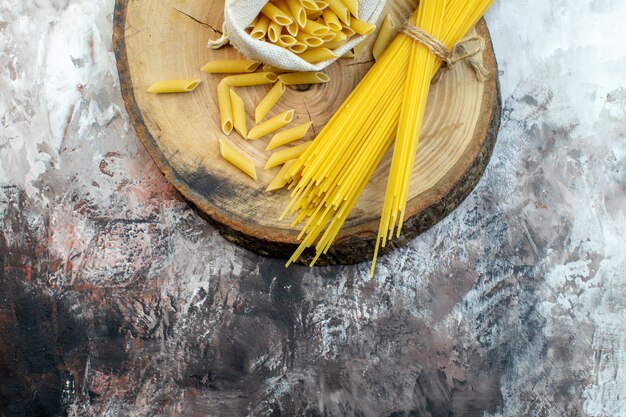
{"type": "Point", "coordinates": [289, 135]}
{"type": "Point", "coordinates": [315, 28]}
{"type": "Point", "coordinates": [271, 125]}
{"type": "Point", "coordinates": [309, 4]}
{"type": "Point", "coordinates": [260, 29]}
{"type": "Point", "coordinates": [286, 41]}
{"type": "Point", "coordinates": [280, 180]}
{"type": "Point", "coordinates": [253, 23]}
{"type": "Point", "coordinates": [299, 47]}
{"type": "Point", "coordinates": [275, 70]}
{"type": "Point", "coordinates": [353, 6]}
{"type": "Point", "coordinates": [348, 55]}
{"type": "Point", "coordinates": [173, 86]}
{"type": "Point", "coordinates": [335, 44]}
{"type": "Point", "coordinates": [329, 37]}
{"type": "Point", "coordinates": [316, 55]}
{"type": "Point", "coordinates": [341, 37]}
{"type": "Point", "coordinates": [249, 80]}
{"type": "Point", "coordinates": [276, 15]}
{"type": "Point", "coordinates": [310, 29]}
{"type": "Point", "coordinates": [348, 31]}
{"type": "Point", "coordinates": [281, 157]}
{"type": "Point", "coordinates": [321, 4]}
{"type": "Point", "coordinates": [273, 32]}
{"type": "Point", "coordinates": [230, 66]}
{"type": "Point", "coordinates": [225, 107]}
{"type": "Point", "coordinates": [293, 29]}
{"type": "Point", "coordinates": [233, 156]}
{"type": "Point", "coordinates": [239, 114]}
{"type": "Point", "coordinates": [298, 11]}
{"type": "Point", "coordinates": [384, 38]}
{"type": "Point", "coordinates": [282, 5]}
{"type": "Point", "coordinates": [340, 10]}
{"type": "Point", "coordinates": [309, 40]}
{"type": "Point", "coordinates": [331, 19]}
{"type": "Point", "coordinates": [361, 27]}
{"type": "Point", "coordinates": [296, 78]}
{"type": "Point", "coordinates": [315, 15]}
{"type": "Point", "coordinates": [361, 49]}
{"type": "Point", "coordinates": [269, 101]}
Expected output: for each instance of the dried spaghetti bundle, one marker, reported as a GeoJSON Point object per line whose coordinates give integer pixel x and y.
{"type": "Point", "coordinates": [388, 103]}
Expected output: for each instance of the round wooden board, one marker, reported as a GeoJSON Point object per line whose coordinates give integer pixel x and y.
{"type": "Point", "coordinates": [164, 39]}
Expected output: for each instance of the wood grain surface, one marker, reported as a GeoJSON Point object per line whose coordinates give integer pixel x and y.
{"type": "Point", "coordinates": [156, 39]}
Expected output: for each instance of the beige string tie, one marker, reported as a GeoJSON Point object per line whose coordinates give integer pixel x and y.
{"type": "Point", "coordinates": [221, 41]}
{"type": "Point", "coordinates": [452, 57]}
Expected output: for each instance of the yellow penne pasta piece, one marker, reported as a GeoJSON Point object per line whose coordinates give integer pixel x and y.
{"type": "Point", "coordinates": [293, 29]}
{"type": "Point", "coordinates": [286, 41]}
{"type": "Point", "coordinates": [272, 69]}
{"type": "Point", "coordinates": [299, 47]}
{"type": "Point", "coordinates": [361, 27]}
{"type": "Point", "coordinates": [309, 4]}
{"type": "Point", "coordinates": [276, 15]}
{"type": "Point", "coordinates": [239, 114]}
{"type": "Point", "coordinates": [385, 36]}
{"type": "Point", "coordinates": [353, 6]}
{"type": "Point", "coordinates": [280, 157]}
{"type": "Point", "coordinates": [340, 37]}
{"type": "Point", "coordinates": [296, 78]}
{"type": "Point", "coordinates": [282, 5]}
{"type": "Point", "coordinates": [315, 15]}
{"type": "Point", "coordinates": [329, 37]}
{"type": "Point", "coordinates": [331, 19]}
{"type": "Point", "coordinates": [173, 86]}
{"type": "Point", "coordinates": [340, 10]}
{"type": "Point", "coordinates": [225, 107]}
{"type": "Point", "coordinates": [316, 55]}
{"type": "Point", "coordinates": [280, 180]}
{"type": "Point", "coordinates": [248, 80]}
{"type": "Point", "coordinates": [271, 125]}
{"type": "Point", "coordinates": [253, 23]}
{"type": "Point", "coordinates": [309, 40]}
{"type": "Point", "coordinates": [269, 101]}
{"type": "Point", "coordinates": [321, 4]}
{"type": "Point", "coordinates": [315, 28]}
{"type": "Point", "coordinates": [273, 32]}
{"type": "Point", "coordinates": [360, 49]}
{"type": "Point", "coordinates": [288, 135]}
{"type": "Point", "coordinates": [335, 44]}
{"type": "Point", "coordinates": [348, 55]}
{"type": "Point", "coordinates": [233, 156]}
{"type": "Point", "coordinates": [348, 31]}
{"type": "Point", "coordinates": [260, 29]}
{"type": "Point", "coordinates": [298, 11]}
{"type": "Point", "coordinates": [233, 66]}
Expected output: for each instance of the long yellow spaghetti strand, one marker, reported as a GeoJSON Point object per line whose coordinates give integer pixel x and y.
{"type": "Point", "coordinates": [432, 18]}
{"type": "Point", "coordinates": [327, 180]}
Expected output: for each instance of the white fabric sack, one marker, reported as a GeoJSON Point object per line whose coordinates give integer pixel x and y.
{"type": "Point", "coordinates": [239, 13]}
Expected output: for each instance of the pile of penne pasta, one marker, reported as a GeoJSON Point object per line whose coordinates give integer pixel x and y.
{"type": "Point", "coordinates": [241, 73]}
{"type": "Point", "coordinates": [302, 20]}
{"type": "Point", "coordinates": [312, 29]}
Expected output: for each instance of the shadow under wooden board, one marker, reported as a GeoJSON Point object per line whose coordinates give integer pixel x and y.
{"type": "Point", "coordinates": [165, 39]}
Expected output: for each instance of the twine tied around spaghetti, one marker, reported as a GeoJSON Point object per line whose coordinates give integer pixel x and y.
{"type": "Point", "coordinates": [451, 57]}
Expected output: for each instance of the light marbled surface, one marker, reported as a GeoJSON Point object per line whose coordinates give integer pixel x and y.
{"type": "Point", "coordinates": [118, 299]}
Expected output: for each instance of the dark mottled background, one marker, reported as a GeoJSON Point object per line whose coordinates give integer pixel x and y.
{"type": "Point", "coordinates": [117, 299]}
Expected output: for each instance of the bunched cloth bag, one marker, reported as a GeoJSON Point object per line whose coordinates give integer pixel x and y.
{"type": "Point", "coordinates": [238, 14]}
